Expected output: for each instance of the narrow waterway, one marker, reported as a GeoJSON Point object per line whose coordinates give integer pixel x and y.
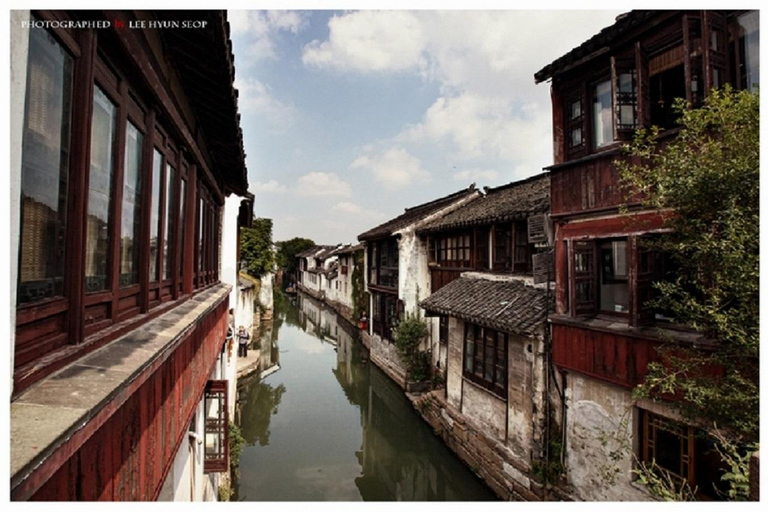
{"type": "Point", "coordinates": [324, 424]}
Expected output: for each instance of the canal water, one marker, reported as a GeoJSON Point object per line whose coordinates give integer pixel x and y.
{"type": "Point", "coordinates": [322, 423]}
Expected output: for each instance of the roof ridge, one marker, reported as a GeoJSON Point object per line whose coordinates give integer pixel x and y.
{"type": "Point", "coordinates": [513, 184]}
{"type": "Point", "coordinates": [453, 195]}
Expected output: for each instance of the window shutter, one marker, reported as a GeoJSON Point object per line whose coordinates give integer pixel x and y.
{"type": "Point", "coordinates": [216, 427]}
{"type": "Point", "coordinates": [584, 290]}
{"type": "Point", "coordinates": [543, 271]}
{"type": "Point", "coordinates": [539, 229]}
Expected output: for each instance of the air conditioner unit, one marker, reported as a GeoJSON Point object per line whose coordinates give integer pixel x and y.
{"type": "Point", "coordinates": [540, 229]}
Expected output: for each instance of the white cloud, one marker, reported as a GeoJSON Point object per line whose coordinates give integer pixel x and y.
{"type": "Point", "coordinates": [369, 41]}
{"type": "Point", "coordinates": [272, 186]}
{"type": "Point", "coordinates": [476, 175]}
{"type": "Point", "coordinates": [322, 184]}
{"type": "Point", "coordinates": [483, 62]}
{"type": "Point", "coordinates": [259, 29]}
{"type": "Point", "coordinates": [255, 96]}
{"type": "Point", "coordinates": [477, 126]}
{"type": "Point", "coordinates": [358, 211]}
{"type": "Point", "coordinates": [394, 168]}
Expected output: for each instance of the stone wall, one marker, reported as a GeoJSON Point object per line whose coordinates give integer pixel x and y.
{"type": "Point", "coordinates": [489, 458]}
{"type": "Point", "coordinates": [384, 355]}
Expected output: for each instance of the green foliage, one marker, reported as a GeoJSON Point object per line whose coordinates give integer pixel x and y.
{"type": "Point", "coordinates": [550, 467]}
{"type": "Point", "coordinates": [236, 443]}
{"type": "Point", "coordinates": [225, 492]}
{"type": "Point", "coordinates": [660, 483]}
{"type": "Point", "coordinates": [409, 334]}
{"type": "Point", "coordinates": [736, 478]}
{"type": "Point", "coordinates": [287, 251]}
{"type": "Point", "coordinates": [256, 251]}
{"type": "Point", "coordinates": [359, 294]}
{"type": "Point", "coordinates": [708, 175]}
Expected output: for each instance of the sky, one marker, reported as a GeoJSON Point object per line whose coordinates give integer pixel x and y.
{"type": "Point", "coordinates": [349, 117]}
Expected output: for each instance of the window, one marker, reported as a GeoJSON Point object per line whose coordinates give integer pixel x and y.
{"type": "Point", "coordinates": [626, 100]}
{"type": "Point", "coordinates": [485, 358]}
{"type": "Point", "coordinates": [182, 226]}
{"type": "Point", "coordinates": [443, 334]}
{"type": "Point", "coordinates": [482, 241]}
{"type": "Point", "coordinates": [602, 114]}
{"type": "Point", "coordinates": [666, 86]}
{"type": "Point", "coordinates": [583, 283]}
{"type": "Point", "coordinates": [574, 122]}
{"type": "Point", "coordinates": [384, 262]}
{"type": "Point", "coordinates": [522, 256]}
{"type": "Point", "coordinates": [45, 169]}
{"type": "Point", "coordinates": [614, 289]}
{"type": "Point", "coordinates": [685, 452]}
{"type": "Point", "coordinates": [216, 427]}
{"type": "Point", "coordinates": [154, 217]}
{"type": "Point", "coordinates": [455, 251]}
{"type": "Point", "coordinates": [386, 314]}
{"type": "Point", "coordinates": [502, 247]}
{"type": "Point", "coordinates": [169, 220]}
{"type": "Point", "coordinates": [100, 187]}
{"type": "Point", "coordinates": [131, 214]}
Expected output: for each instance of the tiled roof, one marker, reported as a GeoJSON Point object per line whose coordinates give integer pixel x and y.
{"type": "Point", "coordinates": [317, 251]}
{"type": "Point", "coordinates": [600, 41]}
{"type": "Point", "coordinates": [415, 214]}
{"type": "Point", "coordinates": [508, 305]}
{"type": "Point", "coordinates": [517, 200]}
{"type": "Point", "coordinates": [348, 249]}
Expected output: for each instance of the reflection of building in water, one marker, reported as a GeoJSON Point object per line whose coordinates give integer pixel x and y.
{"type": "Point", "coordinates": [400, 458]}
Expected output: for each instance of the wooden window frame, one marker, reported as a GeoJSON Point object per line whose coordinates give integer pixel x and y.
{"type": "Point", "coordinates": [218, 425]}
{"type": "Point", "coordinates": [483, 339]}
{"type": "Point", "coordinates": [66, 327]}
{"type": "Point", "coordinates": [572, 123]}
{"type": "Point", "coordinates": [455, 250]}
{"type": "Point", "coordinates": [443, 331]}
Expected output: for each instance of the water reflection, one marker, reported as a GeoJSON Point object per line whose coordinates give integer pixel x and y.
{"type": "Point", "coordinates": [329, 426]}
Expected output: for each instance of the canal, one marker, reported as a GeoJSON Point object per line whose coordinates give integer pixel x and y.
{"type": "Point", "coordinates": [322, 423]}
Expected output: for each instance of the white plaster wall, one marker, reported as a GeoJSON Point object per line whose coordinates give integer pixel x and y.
{"type": "Point", "coordinates": [266, 298]}
{"type": "Point", "coordinates": [485, 409]}
{"type": "Point", "coordinates": [453, 380]}
{"type": "Point", "coordinates": [594, 431]}
{"type": "Point", "coordinates": [229, 256]}
{"type": "Point", "coordinates": [19, 41]}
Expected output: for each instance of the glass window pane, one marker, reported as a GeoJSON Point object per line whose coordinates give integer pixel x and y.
{"type": "Point", "coordinates": [614, 289]}
{"type": "Point", "coordinates": [100, 192]}
{"type": "Point", "coordinates": [170, 227]}
{"type": "Point", "coordinates": [131, 215]}
{"type": "Point", "coordinates": [602, 118]}
{"type": "Point", "coordinates": [575, 110]}
{"type": "Point", "coordinates": [45, 169]}
{"type": "Point", "coordinates": [154, 223]}
{"type": "Point", "coordinates": [182, 225]}
{"type": "Point", "coordinates": [750, 25]}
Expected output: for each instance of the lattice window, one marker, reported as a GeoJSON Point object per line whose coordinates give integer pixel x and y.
{"type": "Point", "coordinates": [216, 427]}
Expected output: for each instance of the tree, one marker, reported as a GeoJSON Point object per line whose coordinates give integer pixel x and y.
{"type": "Point", "coordinates": [709, 177]}
{"type": "Point", "coordinates": [256, 251]}
{"type": "Point", "coordinates": [287, 251]}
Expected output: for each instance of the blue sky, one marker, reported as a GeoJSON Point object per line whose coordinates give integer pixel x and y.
{"type": "Point", "coordinates": [350, 116]}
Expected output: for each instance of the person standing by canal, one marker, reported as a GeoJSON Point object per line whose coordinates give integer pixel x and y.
{"type": "Point", "coordinates": [243, 339]}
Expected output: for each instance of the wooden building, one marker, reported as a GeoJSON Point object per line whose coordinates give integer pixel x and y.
{"type": "Point", "coordinates": [128, 143]}
{"type": "Point", "coordinates": [604, 334]}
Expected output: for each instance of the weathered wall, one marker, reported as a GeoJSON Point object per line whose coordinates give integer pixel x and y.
{"type": "Point", "coordinates": [488, 457]}
{"type": "Point", "coordinates": [485, 409]}
{"type": "Point", "coordinates": [600, 420]}
{"type": "Point", "coordinates": [384, 355]}
{"type": "Point", "coordinates": [266, 293]}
